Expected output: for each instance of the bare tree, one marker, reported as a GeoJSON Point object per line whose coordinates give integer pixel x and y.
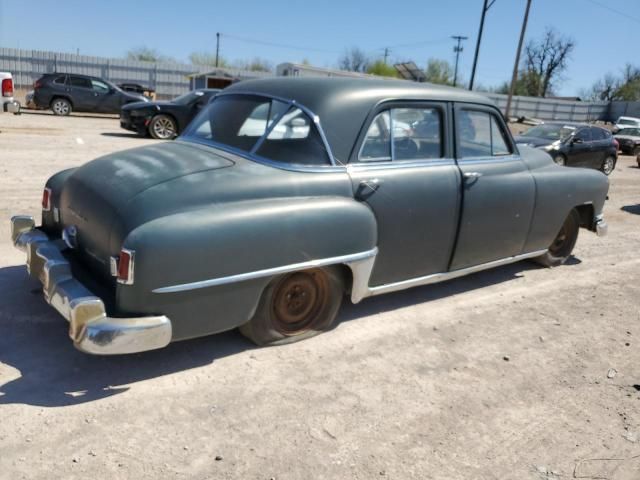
{"type": "Point", "coordinates": [354, 60]}
{"type": "Point", "coordinates": [146, 54]}
{"type": "Point", "coordinates": [546, 59]}
{"type": "Point", "coordinates": [207, 59]}
{"type": "Point", "coordinates": [625, 87]}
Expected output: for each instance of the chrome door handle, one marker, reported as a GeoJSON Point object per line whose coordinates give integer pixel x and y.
{"type": "Point", "coordinates": [472, 175]}
{"type": "Point", "coordinates": [373, 184]}
{"type": "Point", "coordinates": [366, 188]}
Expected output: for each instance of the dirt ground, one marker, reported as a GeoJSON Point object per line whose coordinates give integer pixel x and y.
{"type": "Point", "coordinates": [516, 373]}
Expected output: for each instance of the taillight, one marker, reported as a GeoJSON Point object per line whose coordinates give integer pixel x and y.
{"type": "Point", "coordinates": [125, 266]}
{"type": "Point", "coordinates": [46, 199]}
{"type": "Point", "coordinates": [37, 84]}
{"type": "Point", "coordinates": [7, 87]}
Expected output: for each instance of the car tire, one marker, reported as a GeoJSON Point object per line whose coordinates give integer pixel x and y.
{"type": "Point", "coordinates": [608, 165]}
{"type": "Point", "coordinates": [61, 107]}
{"type": "Point", "coordinates": [295, 306]}
{"type": "Point", "coordinates": [163, 127]}
{"type": "Point", "coordinates": [560, 249]}
{"type": "Point", "coordinates": [561, 160]}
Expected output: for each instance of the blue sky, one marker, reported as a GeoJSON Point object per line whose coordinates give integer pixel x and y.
{"type": "Point", "coordinates": [321, 30]}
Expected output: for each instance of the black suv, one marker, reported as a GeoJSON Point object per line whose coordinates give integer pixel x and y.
{"type": "Point", "coordinates": [574, 144]}
{"type": "Point", "coordinates": [63, 93]}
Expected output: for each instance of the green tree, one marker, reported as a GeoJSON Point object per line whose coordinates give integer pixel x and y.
{"type": "Point", "coordinates": [382, 69]}
{"type": "Point", "coordinates": [256, 65]}
{"type": "Point", "coordinates": [439, 71]}
{"type": "Point", "coordinates": [207, 59]}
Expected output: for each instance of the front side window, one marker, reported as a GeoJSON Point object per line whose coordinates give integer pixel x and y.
{"type": "Point", "coordinates": [270, 128]}
{"type": "Point", "coordinates": [584, 135]}
{"type": "Point", "coordinates": [99, 86]}
{"type": "Point", "coordinates": [480, 135]}
{"type": "Point", "coordinates": [404, 134]}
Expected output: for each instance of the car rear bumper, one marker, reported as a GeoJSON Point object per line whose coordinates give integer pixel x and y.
{"type": "Point", "coordinates": [90, 328]}
{"type": "Point", "coordinates": [11, 107]}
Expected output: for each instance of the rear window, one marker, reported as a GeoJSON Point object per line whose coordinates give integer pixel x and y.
{"type": "Point", "coordinates": [269, 128]}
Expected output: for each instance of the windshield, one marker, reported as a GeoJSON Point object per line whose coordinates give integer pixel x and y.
{"type": "Point", "coordinates": [626, 121]}
{"type": "Point", "coordinates": [550, 132]}
{"type": "Point", "coordinates": [632, 132]}
{"type": "Point", "coordinates": [265, 127]}
{"type": "Point", "coordinates": [187, 98]}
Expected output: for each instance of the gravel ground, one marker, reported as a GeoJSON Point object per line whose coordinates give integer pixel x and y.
{"type": "Point", "coordinates": [516, 373]}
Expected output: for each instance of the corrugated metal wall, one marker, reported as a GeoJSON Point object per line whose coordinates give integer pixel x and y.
{"type": "Point", "coordinates": [550, 109]}
{"type": "Point", "coordinates": [169, 79]}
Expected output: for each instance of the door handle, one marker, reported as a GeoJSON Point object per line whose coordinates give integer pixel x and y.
{"type": "Point", "coordinates": [366, 188]}
{"type": "Point", "coordinates": [472, 175]}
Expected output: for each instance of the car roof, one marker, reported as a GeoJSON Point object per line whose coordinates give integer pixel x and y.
{"type": "Point", "coordinates": [569, 124]}
{"type": "Point", "coordinates": [636, 119]}
{"type": "Point", "coordinates": [343, 104]}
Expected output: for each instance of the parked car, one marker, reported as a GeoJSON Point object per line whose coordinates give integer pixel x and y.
{"type": "Point", "coordinates": [148, 92]}
{"type": "Point", "coordinates": [7, 102]}
{"type": "Point", "coordinates": [629, 140]}
{"type": "Point", "coordinates": [574, 144]}
{"type": "Point", "coordinates": [231, 227]}
{"type": "Point", "coordinates": [64, 93]}
{"type": "Point", "coordinates": [626, 122]}
{"type": "Point", "coordinates": [165, 120]}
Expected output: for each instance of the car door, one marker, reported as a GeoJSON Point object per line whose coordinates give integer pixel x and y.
{"type": "Point", "coordinates": [498, 194]}
{"type": "Point", "coordinates": [106, 98]}
{"type": "Point", "coordinates": [403, 169]}
{"type": "Point", "coordinates": [601, 146]}
{"type": "Point", "coordinates": [580, 148]}
{"type": "Point", "coordinates": [81, 92]}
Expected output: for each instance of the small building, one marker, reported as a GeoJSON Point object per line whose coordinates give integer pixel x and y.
{"type": "Point", "coordinates": [223, 77]}
{"type": "Point", "coordinates": [302, 70]}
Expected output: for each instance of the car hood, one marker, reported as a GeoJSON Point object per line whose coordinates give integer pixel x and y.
{"type": "Point", "coordinates": [532, 141]}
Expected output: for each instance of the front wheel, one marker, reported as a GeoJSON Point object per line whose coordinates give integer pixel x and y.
{"type": "Point", "coordinates": [608, 165]}
{"type": "Point", "coordinates": [163, 127]}
{"type": "Point", "coordinates": [560, 249]}
{"type": "Point", "coordinates": [295, 306]}
{"type": "Point", "coordinates": [561, 160]}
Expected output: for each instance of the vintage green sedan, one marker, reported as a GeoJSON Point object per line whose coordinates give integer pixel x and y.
{"type": "Point", "coordinates": [284, 195]}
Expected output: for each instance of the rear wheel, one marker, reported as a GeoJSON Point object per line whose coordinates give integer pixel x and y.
{"type": "Point", "coordinates": [61, 106]}
{"type": "Point", "coordinates": [608, 165]}
{"type": "Point", "coordinates": [163, 127]}
{"type": "Point", "coordinates": [561, 160]}
{"type": "Point", "coordinates": [560, 249]}
{"type": "Point", "coordinates": [295, 306]}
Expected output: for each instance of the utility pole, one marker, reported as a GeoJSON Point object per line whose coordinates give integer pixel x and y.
{"type": "Point", "coordinates": [386, 54]}
{"type": "Point", "coordinates": [458, 49]}
{"type": "Point", "coordinates": [514, 77]}
{"type": "Point", "coordinates": [217, 47]}
{"type": "Point", "coordinates": [485, 8]}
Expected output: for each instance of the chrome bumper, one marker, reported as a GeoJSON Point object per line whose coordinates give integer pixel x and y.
{"type": "Point", "coordinates": [91, 330]}
{"type": "Point", "coordinates": [12, 107]}
{"type": "Point", "coordinates": [601, 226]}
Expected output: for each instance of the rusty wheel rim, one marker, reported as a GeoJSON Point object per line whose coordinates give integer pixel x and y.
{"type": "Point", "coordinates": [298, 301]}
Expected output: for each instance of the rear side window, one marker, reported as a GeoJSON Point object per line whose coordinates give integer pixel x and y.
{"type": "Point", "coordinates": [480, 135]}
{"type": "Point", "coordinates": [60, 80]}
{"type": "Point", "coordinates": [80, 82]}
{"type": "Point", "coordinates": [404, 134]}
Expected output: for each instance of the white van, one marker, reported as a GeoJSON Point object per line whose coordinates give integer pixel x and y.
{"type": "Point", "coordinates": [7, 103]}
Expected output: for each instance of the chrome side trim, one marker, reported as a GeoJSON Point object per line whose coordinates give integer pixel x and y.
{"type": "Point", "coordinates": [350, 260]}
{"type": "Point", "coordinates": [441, 277]}
{"type": "Point", "coordinates": [602, 229]}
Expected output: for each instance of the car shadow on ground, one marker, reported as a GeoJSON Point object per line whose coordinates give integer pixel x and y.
{"type": "Point", "coordinates": [72, 115]}
{"type": "Point", "coordinates": [121, 135]}
{"type": "Point", "coordinates": [635, 209]}
{"type": "Point", "coordinates": [50, 372]}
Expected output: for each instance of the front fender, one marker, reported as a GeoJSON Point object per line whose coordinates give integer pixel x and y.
{"type": "Point", "coordinates": [229, 240]}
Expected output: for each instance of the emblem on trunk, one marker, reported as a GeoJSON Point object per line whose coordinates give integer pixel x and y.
{"type": "Point", "coordinates": [69, 235]}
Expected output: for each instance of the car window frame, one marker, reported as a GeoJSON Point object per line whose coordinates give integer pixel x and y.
{"type": "Point", "coordinates": [502, 124]}
{"type": "Point", "coordinates": [71, 85]}
{"type": "Point", "coordinates": [581, 129]}
{"type": "Point", "coordinates": [445, 131]}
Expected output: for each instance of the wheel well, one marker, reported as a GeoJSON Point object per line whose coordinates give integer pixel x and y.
{"type": "Point", "coordinates": [586, 215]}
{"type": "Point", "coordinates": [63, 98]}
{"type": "Point", "coordinates": [347, 276]}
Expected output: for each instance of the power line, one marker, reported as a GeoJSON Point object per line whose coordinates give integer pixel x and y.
{"type": "Point", "coordinates": [619, 12]}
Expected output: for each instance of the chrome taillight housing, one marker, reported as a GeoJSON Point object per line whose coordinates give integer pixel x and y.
{"type": "Point", "coordinates": [123, 266]}
{"type": "Point", "coordinates": [46, 199]}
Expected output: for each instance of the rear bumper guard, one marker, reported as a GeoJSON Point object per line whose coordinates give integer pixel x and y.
{"type": "Point", "coordinates": [90, 328]}
{"type": "Point", "coordinates": [601, 226]}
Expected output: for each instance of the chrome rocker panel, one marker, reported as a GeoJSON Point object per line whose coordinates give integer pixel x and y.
{"type": "Point", "coordinates": [91, 330]}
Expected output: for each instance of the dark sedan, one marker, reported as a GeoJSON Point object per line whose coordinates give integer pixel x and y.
{"type": "Point", "coordinates": [629, 140]}
{"type": "Point", "coordinates": [574, 144]}
{"type": "Point", "coordinates": [165, 120]}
